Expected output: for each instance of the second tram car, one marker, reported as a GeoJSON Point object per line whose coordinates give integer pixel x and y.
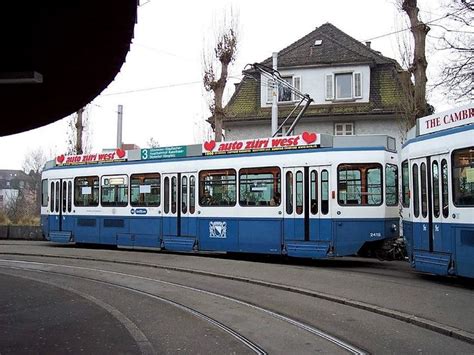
{"type": "Point", "coordinates": [437, 166]}
{"type": "Point", "coordinates": [312, 198]}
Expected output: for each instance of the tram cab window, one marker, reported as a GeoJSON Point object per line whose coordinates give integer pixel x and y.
{"type": "Point", "coordinates": [391, 185]}
{"type": "Point", "coordinates": [463, 177]}
{"type": "Point", "coordinates": [405, 185]}
{"type": "Point", "coordinates": [114, 191]}
{"type": "Point", "coordinates": [259, 187]}
{"type": "Point", "coordinates": [145, 190]}
{"type": "Point", "coordinates": [360, 184]}
{"type": "Point", "coordinates": [217, 187]}
{"type": "Point", "coordinates": [44, 193]}
{"type": "Point", "coordinates": [86, 191]}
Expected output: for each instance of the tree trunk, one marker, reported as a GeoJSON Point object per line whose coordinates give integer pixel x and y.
{"type": "Point", "coordinates": [79, 129]}
{"type": "Point", "coordinates": [419, 65]}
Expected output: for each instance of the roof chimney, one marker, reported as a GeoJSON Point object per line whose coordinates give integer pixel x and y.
{"type": "Point", "coordinates": [367, 43]}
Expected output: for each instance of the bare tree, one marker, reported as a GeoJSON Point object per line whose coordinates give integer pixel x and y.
{"type": "Point", "coordinates": [152, 143]}
{"type": "Point", "coordinates": [33, 165]}
{"type": "Point", "coordinates": [224, 53]}
{"type": "Point", "coordinates": [457, 41]}
{"type": "Point", "coordinates": [78, 133]}
{"type": "Point", "coordinates": [419, 64]}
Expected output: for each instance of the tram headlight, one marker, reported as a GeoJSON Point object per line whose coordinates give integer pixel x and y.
{"type": "Point", "coordinates": [394, 228]}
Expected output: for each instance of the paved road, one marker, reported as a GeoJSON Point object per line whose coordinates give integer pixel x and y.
{"type": "Point", "coordinates": [168, 329]}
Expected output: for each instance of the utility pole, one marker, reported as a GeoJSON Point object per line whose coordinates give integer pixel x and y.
{"type": "Point", "coordinates": [119, 126]}
{"type": "Point", "coordinates": [79, 129]}
{"type": "Point", "coordinates": [274, 95]}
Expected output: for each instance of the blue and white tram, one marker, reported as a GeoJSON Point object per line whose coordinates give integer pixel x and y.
{"type": "Point", "coordinates": [438, 193]}
{"type": "Point", "coordinates": [316, 201]}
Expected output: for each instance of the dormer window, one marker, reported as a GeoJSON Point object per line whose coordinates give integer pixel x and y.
{"type": "Point", "coordinates": [284, 92]}
{"type": "Point", "coordinates": [343, 86]}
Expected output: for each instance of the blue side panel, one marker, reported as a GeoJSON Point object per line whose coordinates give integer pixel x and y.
{"type": "Point", "coordinates": [408, 235]}
{"type": "Point", "coordinates": [110, 227]}
{"type": "Point", "coordinates": [260, 236]}
{"type": "Point", "coordinates": [178, 243]}
{"type": "Point", "coordinates": [145, 225]}
{"type": "Point", "coordinates": [67, 223]}
{"type": "Point", "coordinates": [45, 225]}
{"type": "Point", "coordinates": [436, 263]}
{"type": "Point", "coordinates": [125, 239]}
{"type": "Point", "coordinates": [147, 240]}
{"type": "Point", "coordinates": [218, 234]}
{"type": "Point", "coordinates": [351, 234]}
{"type": "Point", "coordinates": [189, 226]}
{"type": "Point", "coordinates": [315, 250]}
{"type": "Point", "coordinates": [464, 236]}
{"type": "Point", "coordinates": [54, 222]}
{"type": "Point", "coordinates": [170, 226]}
{"type": "Point", "coordinates": [420, 236]}
{"type": "Point", "coordinates": [289, 229]}
{"type": "Point", "coordinates": [87, 230]}
{"type": "Point", "coordinates": [325, 229]}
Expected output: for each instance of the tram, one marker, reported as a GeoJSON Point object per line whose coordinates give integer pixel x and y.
{"type": "Point", "coordinates": [437, 165]}
{"type": "Point", "coordinates": [308, 195]}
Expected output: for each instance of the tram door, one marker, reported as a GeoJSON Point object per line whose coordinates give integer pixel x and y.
{"type": "Point", "coordinates": [60, 205]}
{"type": "Point", "coordinates": [179, 204]}
{"type": "Point", "coordinates": [306, 203]}
{"type": "Point", "coordinates": [430, 186]}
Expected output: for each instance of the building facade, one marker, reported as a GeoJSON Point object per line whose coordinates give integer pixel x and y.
{"type": "Point", "coordinates": [355, 90]}
{"type": "Point", "coordinates": [11, 183]}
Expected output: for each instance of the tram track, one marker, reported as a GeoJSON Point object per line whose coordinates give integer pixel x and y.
{"type": "Point", "coordinates": [421, 322]}
{"type": "Point", "coordinates": [254, 347]}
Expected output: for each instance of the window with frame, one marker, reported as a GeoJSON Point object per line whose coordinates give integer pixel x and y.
{"type": "Point", "coordinates": [344, 86]}
{"type": "Point", "coordinates": [360, 184]}
{"type": "Point", "coordinates": [444, 188]}
{"type": "Point", "coordinates": [344, 129]}
{"type": "Point", "coordinates": [260, 186]}
{"type": "Point", "coordinates": [86, 191]}
{"type": "Point", "coordinates": [391, 185]}
{"type": "Point", "coordinates": [217, 187]}
{"type": "Point", "coordinates": [462, 170]}
{"type": "Point", "coordinates": [285, 94]}
{"type": "Point", "coordinates": [424, 190]}
{"type": "Point", "coordinates": [114, 191]}
{"type": "Point", "coordinates": [416, 188]}
{"type": "Point", "coordinates": [44, 192]}
{"type": "Point", "coordinates": [145, 190]}
{"type": "Point", "coordinates": [405, 184]}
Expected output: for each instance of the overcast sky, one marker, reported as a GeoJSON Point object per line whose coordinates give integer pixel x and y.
{"type": "Point", "coordinates": [165, 58]}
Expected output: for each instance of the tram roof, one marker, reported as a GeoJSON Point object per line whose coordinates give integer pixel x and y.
{"type": "Point", "coordinates": [326, 143]}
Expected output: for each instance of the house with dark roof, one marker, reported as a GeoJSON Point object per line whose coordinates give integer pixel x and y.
{"type": "Point", "coordinates": [355, 89]}
{"type": "Point", "coordinates": [11, 183]}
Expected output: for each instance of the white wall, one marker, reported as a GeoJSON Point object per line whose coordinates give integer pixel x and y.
{"type": "Point", "coordinates": [313, 82]}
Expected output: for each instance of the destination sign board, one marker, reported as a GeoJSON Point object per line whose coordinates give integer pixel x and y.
{"type": "Point", "coordinates": [163, 152]}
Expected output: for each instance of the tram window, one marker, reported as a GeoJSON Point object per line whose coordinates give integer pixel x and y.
{"type": "Point", "coordinates": [299, 192]}
{"type": "Point", "coordinates": [360, 184]}
{"type": "Point", "coordinates": [391, 185]}
{"type": "Point", "coordinates": [69, 196]}
{"type": "Point", "coordinates": [324, 192]}
{"type": "Point", "coordinates": [173, 194]}
{"type": "Point", "coordinates": [435, 173]}
{"type": "Point", "coordinates": [64, 195]}
{"type": "Point", "coordinates": [114, 191]}
{"type": "Point", "coordinates": [217, 187]}
{"type": "Point", "coordinates": [463, 177]}
{"type": "Point", "coordinates": [289, 192]}
{"type": "Point", "coordinates": [86, 191]}
{"type": "Point", "coordinates": [416, 197]}
{"type": "Point", "coordinates": [44, 193]}
{"type": "Point", "coordinates": [405, 185]}
{"type": "Point", "coordinates": [444, 188]}
{"type": "Point", "coordinates": [145, 190]}
{"type": "Point", "coordinates": [57, 200]}
{"type": "Point", "coordinates": [424, 194]}
{"type": "Point", "coordinates": [52, 197]}
{"type": "Point", "coordinates": [192, 194]}
{"type": "Point", "coordinates": [314, 191]}
{"type": "Point", "coordinates": [184, 194]}
{"type": "Point", "coordinates": [259, 186]}
{"type": "Point", "coordinates": [167, 194]}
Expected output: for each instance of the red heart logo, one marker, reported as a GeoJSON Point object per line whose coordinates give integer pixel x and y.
{"type": "Point", "coordinates": [60, 158]}
{"type": "Point", "coordinates": [309, 137]}
{"type": "Point", "coordinates": [120, 153]}
{"type": "Point", "coordinates": [209, 145]}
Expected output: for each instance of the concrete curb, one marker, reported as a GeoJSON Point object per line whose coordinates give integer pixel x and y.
{"type": "Point", "coordinates": [21, 232]}
{"type": "Point", "coordinates": [401, 316]}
